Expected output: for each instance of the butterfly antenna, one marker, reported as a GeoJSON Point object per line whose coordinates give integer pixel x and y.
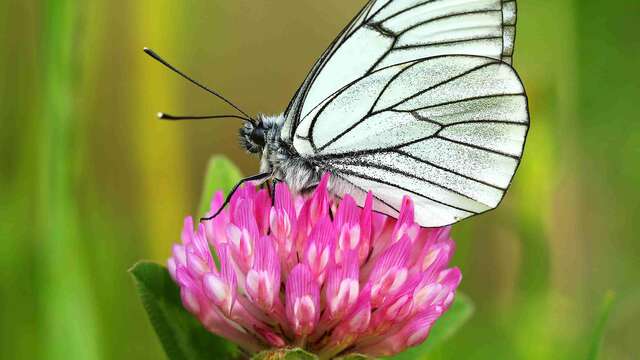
{"type": "Point", "coordinates": [165, 116]}
{"type": "Point", "coordinates": [171, 67]}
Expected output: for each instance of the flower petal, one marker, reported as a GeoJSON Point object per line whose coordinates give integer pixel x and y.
{"type": "Point", "coordinates": [302, 300]}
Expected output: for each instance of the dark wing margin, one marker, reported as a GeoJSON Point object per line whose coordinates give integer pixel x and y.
{"type": "Point", "coordinates": [509, 21]}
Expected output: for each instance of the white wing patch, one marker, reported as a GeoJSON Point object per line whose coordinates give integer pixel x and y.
{"type": "Point", "coordinates": [348, 106]}
{"type": "Point", "coordinates": [447, 131]}
{"type": "Point", "coordinates": [499, 137]}
{"type": "Point", "coordinates": [484, 81]}
{"type": "Point", "coordinates": [355, 57]}
{"type": "Point", "coordinates": [389, 128]}
{"type": "Point", "coordinates": [504, 108]}
{"type": "Point", "coordinates": [488, 167]}
{"type": "Point", "coordinates": [427, 76]}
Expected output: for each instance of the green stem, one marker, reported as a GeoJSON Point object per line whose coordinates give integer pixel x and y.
{"type": "Point", "coordinates": [66, 305]}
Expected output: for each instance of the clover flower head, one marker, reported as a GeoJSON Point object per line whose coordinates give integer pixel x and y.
{"type": "Point", "coordinates": [314, 272]}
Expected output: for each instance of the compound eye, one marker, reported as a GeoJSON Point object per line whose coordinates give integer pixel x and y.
{"type": "Point", "coordinates": [247, 138]}
{"type": "Point", "coordinates": [257, 136]}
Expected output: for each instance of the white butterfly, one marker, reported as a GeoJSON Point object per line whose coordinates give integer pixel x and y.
{"type": "Point", "coordinates": [414, 98]}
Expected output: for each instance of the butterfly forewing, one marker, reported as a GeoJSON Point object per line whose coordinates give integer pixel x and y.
{"type": "Point", "coordinates": [389, 32]}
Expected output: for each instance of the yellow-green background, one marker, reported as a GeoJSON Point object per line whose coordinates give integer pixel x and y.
{"type": "Point", "coordinates": [91, 181]}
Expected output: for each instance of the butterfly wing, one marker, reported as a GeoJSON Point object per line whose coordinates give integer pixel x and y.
{"type": "Point", "coordinates": [389, 32]}
{"type": "Point", "coordinates": [292, 114]}
{"type": "Point", "coordinates": [448, 131]}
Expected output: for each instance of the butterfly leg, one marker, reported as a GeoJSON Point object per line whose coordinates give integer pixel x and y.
{"type": "Point", "coordinates": [260, 176]}
{"type": "Point", "coordinates": [271, 187]}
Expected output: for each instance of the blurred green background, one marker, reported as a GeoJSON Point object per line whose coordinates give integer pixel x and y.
{"type": "Point", "coordinates": [92, 182]}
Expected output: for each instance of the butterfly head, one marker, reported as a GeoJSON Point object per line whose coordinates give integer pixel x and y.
{"type": "Point", "coordinates": [253, 135]}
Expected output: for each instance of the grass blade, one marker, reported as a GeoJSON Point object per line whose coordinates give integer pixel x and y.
{"type": "Point", "coordinates": [598, 333]}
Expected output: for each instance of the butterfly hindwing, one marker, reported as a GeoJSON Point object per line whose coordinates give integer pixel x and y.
{"type": "Point", "coordinates": [447, 131]}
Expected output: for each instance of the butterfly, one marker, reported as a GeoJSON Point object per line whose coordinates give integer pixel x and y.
{"type": "Point", "coordinates": [413, 98]}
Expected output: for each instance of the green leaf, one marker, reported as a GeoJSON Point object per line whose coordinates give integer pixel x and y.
{"type": "Point", "coordinates": [285, 354]}
{"type": "Point", "coordinates": [221, 174]}
{"type": "Point", "coordinates": [598, 334]}
{"type": "Point", "coordinates": [181, 335]}
{"type": "Point", "coordinates": [458, 314]}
